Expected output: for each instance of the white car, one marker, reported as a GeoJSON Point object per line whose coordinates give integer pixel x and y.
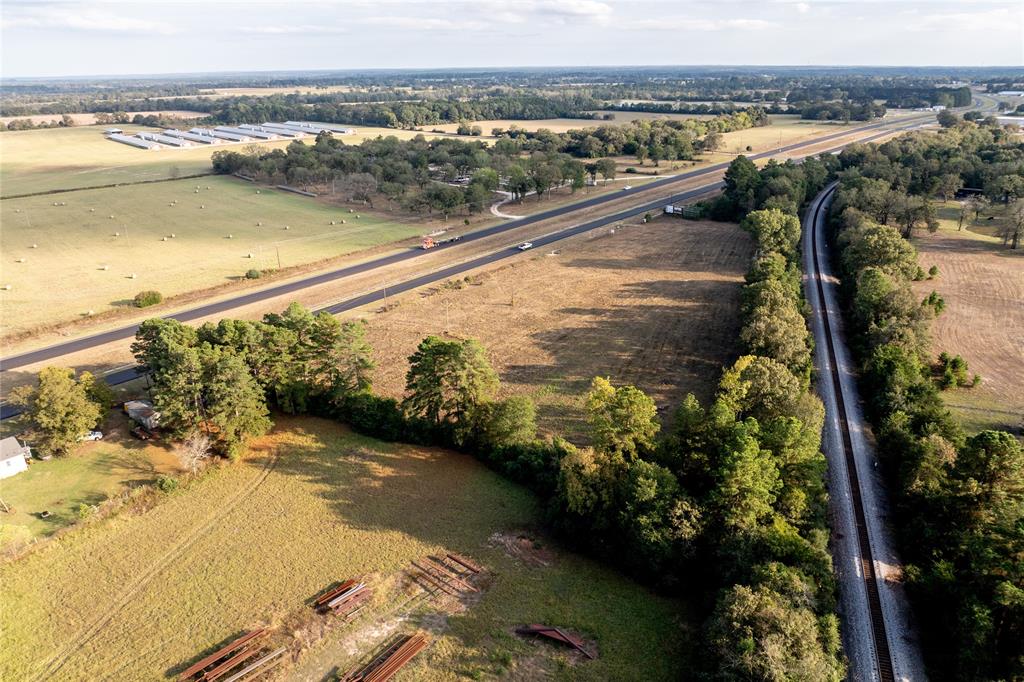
{"type": "Point", "coordinates": [92, 435]}
{"type": "Point", "coordinates": [525, 245]}
{"type": "Point", "coordinates": [625, 187]}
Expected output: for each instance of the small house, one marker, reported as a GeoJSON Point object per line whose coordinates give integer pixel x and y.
{"type": "Point", "coordinates": [13, 457]}
{"type": "Point", "coordinates": [142, 411]}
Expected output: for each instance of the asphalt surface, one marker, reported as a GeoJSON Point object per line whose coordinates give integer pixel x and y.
{"type": "Point", "coordinates": [880, 639]}
{"type": "Point", "coordinates": [192, 314]}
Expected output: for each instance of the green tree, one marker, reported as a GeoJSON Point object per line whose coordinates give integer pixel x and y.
{"type": "Point", "coordinates": [774, 230]}
{"type": "Point", "coordinates": [623, 421]}
{"type": "Point", "coordinates": [60, 407]}
{"type": "Point", "coordinates": [235, 406]}
{"type": "Point", "coordinates": [512, 421]}
{"type": "Point", "coordinates": [757, 634]}
{"type": "Point", "coordinates": [447, 379]}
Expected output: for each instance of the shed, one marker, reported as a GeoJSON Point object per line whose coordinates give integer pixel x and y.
{"type": "Point", "coordinates": [142, 412]}
{"type": "Point", "coordinates": [13, 457]}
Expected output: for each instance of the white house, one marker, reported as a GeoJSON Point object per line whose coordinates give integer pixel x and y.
{"type": "Point", "coordinates": [13, 457]}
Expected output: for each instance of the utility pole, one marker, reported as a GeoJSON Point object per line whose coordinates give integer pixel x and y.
{"type": "Point", "coordinates": [278, 257]}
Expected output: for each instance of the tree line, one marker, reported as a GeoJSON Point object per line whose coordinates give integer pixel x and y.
{"type": "Point", "coordinates": [449, 174]}
{"type": "Point", "coordinates": [959, 500]}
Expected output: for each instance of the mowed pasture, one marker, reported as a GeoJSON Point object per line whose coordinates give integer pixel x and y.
{"type": "Point", "coordinates": [654, 305]}
{"type": "Point", "coordinates": [72, 158]}
{"type": "Point", "coordinates": [85, 258]}
{"type": "Point", "coordinates": [982, 282]}
{"type": "Point", "coordinates": [139, 597]}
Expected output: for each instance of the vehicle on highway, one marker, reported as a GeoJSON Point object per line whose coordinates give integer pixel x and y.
{"type": "Point", "coordinates": [525, 245]}
{"type": "Point", "coordinates": [625, 187]}
{"type": "Point", "coordinates": [92, 435]}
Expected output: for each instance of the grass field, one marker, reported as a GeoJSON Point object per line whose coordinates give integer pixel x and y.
{"type": "Point", "coordinates": [138, 597]}
{"type": "Point", "coordinates": [654, 305]}
{"type": "Point", "coordinates": [71, 158]}
{"type": "Point", "coordinates": [63, 278]}
{"type": "Point", "coordinates": [982, 282]}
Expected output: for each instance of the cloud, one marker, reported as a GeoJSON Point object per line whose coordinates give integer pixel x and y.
{"type": "Point", "coordinates": [996, 20]}
{"type": "Point", "coordinates": [426, 23]}
{"type": "Point", "coordinates": [293, 29]}
{"type": "Point", "coordinates": [87, 20]}
{"type": "Point", "coordinates": [677, 23]}
{"type": "Point", "coordinates": [802, 7]}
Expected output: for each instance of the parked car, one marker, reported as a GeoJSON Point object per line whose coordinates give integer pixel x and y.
{"type": "Point", "coordinates": [92, 435]}
{"type": "Point", "coordinates": [141, 433]}
{"type": "Point", "coordinates": [525, 245]}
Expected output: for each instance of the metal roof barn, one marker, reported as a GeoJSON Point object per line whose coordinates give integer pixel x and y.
{"type": "Point", "coordinates": [220, 135]}
{"type": "Point", "coordinates": [272, 130]}
{"type": "Point", "coordinates": [246, 131]}
{"type": "Point", "coordinates": [165, 139]}
{"type": "Point", "coordinates": [285, 130]}
{"type": "Point", "coordinates": [333, 127]}
{"type": "Point", "coordinates": [133, 141]}
{"type": "Point", "coordinates": [205, 139]}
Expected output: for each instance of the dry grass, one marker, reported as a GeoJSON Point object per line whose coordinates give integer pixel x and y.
{"type": "Point", "coordinates": [90, 119]}
{"type": "Point", "coordinates": [653, 305]}
{"type": "Point", "coordinates": [140, 596]}
{"type": "Point", "coordinates": [983, 285]}
{"type": "Point", "coordinates": [64, 277]}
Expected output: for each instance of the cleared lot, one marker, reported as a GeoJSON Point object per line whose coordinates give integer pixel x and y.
{"type": "Point", "coordinates": [139, 597]}
{"type": "Point", "coordinates": [655, 305]}
{"type": "Point", "coordinates": [983, 285]}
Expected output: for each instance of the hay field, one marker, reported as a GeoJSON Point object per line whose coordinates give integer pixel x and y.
{"type": "Point", "coordinates": [139, 597]}
{"type": "Point", "coordinates": [983, 285]}
{"type": "Point", "coordinates": [72, 158]}
{"type": "Point", "coordinates": [64, 277]}
{"type": "Point", "coordinates": [653, 305]}
{"type": "Point", "coordinates": [90, 119]}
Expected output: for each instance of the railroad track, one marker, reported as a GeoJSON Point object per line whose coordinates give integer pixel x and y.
{"type": "Point", "coordinates": [884, 669]}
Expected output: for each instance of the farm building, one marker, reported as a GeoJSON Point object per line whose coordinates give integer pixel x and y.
{"type": "Point", "coordinates": [192, 137]}
{"type": "Point", "coordinates": [284, 130]}
{"type": "Point", "coordinates": [165, 139]}
{"type": "Point", "coordinates": [270, 129]}
{"type": "Point", "coordinates": [317, 127]}
{"type": "Point", "coordinates": [250, 132]}
{"type": "Point", "coordinates": [133, 141]}
{"type": "Point", "coordinates": [142, 412]}
{"type": "Point", "coordinates": [220, 135]}
{"type": "Point", "coordinates": [13, 457]}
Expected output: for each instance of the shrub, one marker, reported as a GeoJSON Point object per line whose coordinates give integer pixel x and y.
{"type": "Point", "coordinates": [144, 299]}
{"type": "Point", "coordinates": [253, 273]}
{"type": "Point", "coordinates": [933, 271]}
{"type": "Point", "coordinates": [167, 484]}
{"type": "Point", "coordinates": [631, 170]}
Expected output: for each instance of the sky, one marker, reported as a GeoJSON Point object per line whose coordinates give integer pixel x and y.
{"type": "Point", "coordinates": [95, 37]}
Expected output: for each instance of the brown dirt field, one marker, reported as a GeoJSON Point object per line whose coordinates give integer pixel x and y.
{"type": "Point", "coordinates": [653, 305]}
{"type": "Point", "coordinates": [983, 285]}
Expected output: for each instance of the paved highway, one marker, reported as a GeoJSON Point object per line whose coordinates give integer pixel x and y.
{"type": "Point", "coordinates": [878, 635]}
{"type": "Point", "coordinates": [128, 331]}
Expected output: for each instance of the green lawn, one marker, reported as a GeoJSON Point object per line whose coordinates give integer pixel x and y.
{"type": "Point", "coordinates": [139, 597]}
{"type": "Point", "coordinates": [215, 229]}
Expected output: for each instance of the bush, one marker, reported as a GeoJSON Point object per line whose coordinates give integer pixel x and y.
{"type": "Point", "coordinates": [631, 170]}
{"type": "Point", "coordinates": [933, 271]}
{"type": "Point", "coordinates": [144, 299]}
{"type": "Point", "coordinates": [253, 274]}
{"type": "Point", "coordinates": [167, 484]}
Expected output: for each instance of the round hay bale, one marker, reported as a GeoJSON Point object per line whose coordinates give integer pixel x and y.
{"type": "Point", "coordinates": [131, 276]}
{"type": "Point", "coordinates": [56, 204]}
{"type": "Point", "coordinates": [17, 210]}
{"type": "Point", "coordinates": [92, 210]}
{"type": "Point", "coordinates": [197, 191]}
{"type": "Point", "coordinates": [231, 236]}
{"type": "Point", "coordinates": [358, 216]}
{"type": "Point", "coordinates": [89, 312]}
{"type": "Point", "coordinates": [287, 228]}
{"type": "Point", "coordinates": [351, 210]}
{"type": "Point", "coordinates": [207, 187]}
{"type": "Point", "coordinates": [105, 268]}
{"type": "Point", "coordinates": [257, 191]}
{"type": "Point", "coordinates": [332, 222]}
{"type": "Point", "coordinates": [202, 205]}
{"type": "Point", "coordinates": [63, 203]}
{"type": "Point", "coordinates": [164, 239]}
{"type": "Point", "coordinates": [342, 222]}
{"type": "Point", "coordinates": [172, 235]}
{"type": "Point", "coordinates": [7, 287]}
{"type": "Point", "coordinates": [35, 246]}
{"type": "Point", "coordinates": [21, 260]}
{"type": "Point", "coordinates": [117, 234]}
{"type": "Point", "coordinates": [111, 217]}
{"type": "Point", "coordinates": [249, 255]}
{"type": "Point", "coordinates": [259, 224]}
